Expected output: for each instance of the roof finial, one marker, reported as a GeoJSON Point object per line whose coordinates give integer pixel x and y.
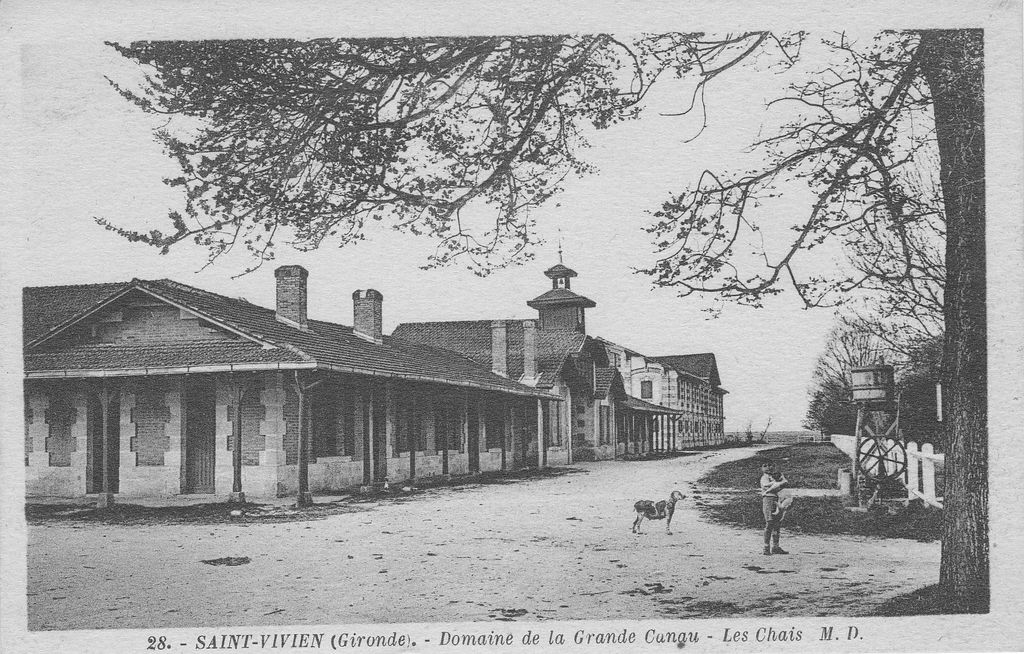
{"type": "Point", "coordinates": [559, 245]}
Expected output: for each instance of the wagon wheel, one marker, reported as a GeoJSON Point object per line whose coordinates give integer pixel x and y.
{"type": "Point", "coordinates": [882, 459]}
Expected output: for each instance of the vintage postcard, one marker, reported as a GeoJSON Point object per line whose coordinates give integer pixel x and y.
{"type": "Point", "coordinates": [504, 327]}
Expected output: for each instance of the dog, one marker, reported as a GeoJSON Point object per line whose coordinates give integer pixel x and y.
{"type": "Point", "coordinates": [662, 510]}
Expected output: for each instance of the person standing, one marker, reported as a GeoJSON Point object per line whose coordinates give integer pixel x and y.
{"type": "Point", "coordinates": [772, 482]}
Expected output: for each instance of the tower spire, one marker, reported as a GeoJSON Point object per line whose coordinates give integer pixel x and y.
{"type": "Point", "coordinates": [560, 245]}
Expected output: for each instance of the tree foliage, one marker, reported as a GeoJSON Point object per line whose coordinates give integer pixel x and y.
{"type": "Point", "coordinates": [312, 140]}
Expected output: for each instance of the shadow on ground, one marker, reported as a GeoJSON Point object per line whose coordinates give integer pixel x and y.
{"type": "Point", "coordinates": [250, 512]}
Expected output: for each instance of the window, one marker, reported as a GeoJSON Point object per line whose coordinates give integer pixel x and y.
{"type": "Point", "coordinates": [646, 390]}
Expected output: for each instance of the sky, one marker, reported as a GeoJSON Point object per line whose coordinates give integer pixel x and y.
{"type": "Point", "coordinates": [87, 153]}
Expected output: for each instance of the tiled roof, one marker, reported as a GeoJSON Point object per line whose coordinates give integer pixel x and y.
{"type": "Point", "coordinates": [701, 365]}
{"type": "Point", "coordinates": [609, 380]}
{"type": "Point", "coordinates": [328, 344]}
{"type": "Point", "coordinates": [561, 296]}
{"type": "Point", "coordinates": [47, 306]}
{"type": "Point", "coordinates": [560, 270]}
{"type": "Point", "coordinates": [472, 339]}
{"type": "Point", "coordinates": [111, 356]}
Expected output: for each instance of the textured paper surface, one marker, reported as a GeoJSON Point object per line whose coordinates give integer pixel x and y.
{"type": "Point", "coordinates": [66, 162]}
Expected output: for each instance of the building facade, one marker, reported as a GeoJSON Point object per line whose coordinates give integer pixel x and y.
{"type": "Point", "coordinates": [150, 388]}
{"type": "Point", "coordinates": [616, 400]}
{"type": "Point", "coordinates": [156, 388]}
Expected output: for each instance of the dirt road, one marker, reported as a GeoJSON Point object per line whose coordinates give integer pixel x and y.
{"type": "Point", "coordinates": [557, 548]}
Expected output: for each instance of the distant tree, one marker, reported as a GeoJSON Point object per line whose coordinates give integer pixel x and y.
{"type": "Point", "coordinates": [316, 138]}
{"type": "Point", "coordinates": [830, 407]}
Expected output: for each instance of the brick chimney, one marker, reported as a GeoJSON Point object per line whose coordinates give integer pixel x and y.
{"type": "Point", "coordinates": [367, 314]}
{"type": "Point", "coordinates": [499, 348]}
{"type": "Point", "coordinates": [291, 295]}
{"type": "Point", "coordinates": [529, 349]}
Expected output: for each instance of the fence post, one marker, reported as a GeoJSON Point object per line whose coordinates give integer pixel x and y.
{"type": "Point", "coordinates": [928, 467]}
{"type": "Point", "coordinates": [913, 469]}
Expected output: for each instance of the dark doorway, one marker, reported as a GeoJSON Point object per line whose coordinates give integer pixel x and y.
{"type": "Point", "coordinates": [95, 433]}
{"type": "Point", "coordinates": [200, 435]}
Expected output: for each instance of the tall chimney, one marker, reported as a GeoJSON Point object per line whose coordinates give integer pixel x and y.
{"type": "Point", "coordinates": [367, 314]}
{"type": "Point", "coordinates": [529, 349]}
{"type": "Point", "coordinates": [499, 348]}
{"type": "Point", "coordinates": [291, 295]}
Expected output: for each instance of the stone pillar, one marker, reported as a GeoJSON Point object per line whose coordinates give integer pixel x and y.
{"type": "Point", "coordinates": [80, 434]}
{"type": "Point", "coordinates": [273, 428]}
{"type": "Point", "coordinates": [38, 431]}
{"type": "Point", "coordinates": [224, 468]}
{"type": "Point", "coordinates": [173, 430]}
{"type": "Point", "coordinates": [128, 460]}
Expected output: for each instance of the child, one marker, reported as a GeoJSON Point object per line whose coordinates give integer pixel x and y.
{"type": "Point", "coordinates": [771, 483]}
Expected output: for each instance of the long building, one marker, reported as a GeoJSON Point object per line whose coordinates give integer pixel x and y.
{"type": "Point", "coordinates": [616, 400]}
{"type": "Point", "coordinates": [157, 388]}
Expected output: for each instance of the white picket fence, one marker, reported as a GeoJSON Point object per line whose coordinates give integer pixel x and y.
{"type": "Point", "coordinates": [921, 463]}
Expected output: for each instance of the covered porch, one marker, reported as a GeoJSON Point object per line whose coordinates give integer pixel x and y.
{"type": "Point", "coordinates": [241, 432]}
{"type": "Point", "coordinates": [645, 428]}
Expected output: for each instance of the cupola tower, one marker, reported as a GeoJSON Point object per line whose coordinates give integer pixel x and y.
{"type": "Point", "coordinates": [560, 307]}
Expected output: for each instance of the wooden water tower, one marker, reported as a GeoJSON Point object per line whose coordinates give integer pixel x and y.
{"type": "Point", "coordinates": [881, 457]}
{"type": "Point", "coordinates": [873, 385]}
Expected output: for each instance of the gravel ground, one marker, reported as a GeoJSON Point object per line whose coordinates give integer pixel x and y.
{"type": "Point", "coordinates": [556, 548]}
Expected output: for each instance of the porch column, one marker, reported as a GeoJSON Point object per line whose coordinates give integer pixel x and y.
{"type": "Point", "coordinates": [567, 414]}
{"type": "Point", "coordinates": [302, 387]}
{"type": "Point", "coordinates": [390, 445]}
{"type": "Point", "coordinates": [541, 450]}
{"type": "Point", "coordinates": [447, 443]}
{"type": "Point", "coordinates": [506, 413]}
{"type": "Point", "coordinates": [481, 420]}
{"type": "Point", "coordinates": [106, 497]}
{"type": "Point", "coordinates": [464, 445]}
{"type": "Point", "coordinates": [236, 389]}
{"type": "Point", "coordinates": [182, 433]}
{"type": "Point", "coordinates": [414, 434]}
{"type": "Point", "coordinates": [366, 421]}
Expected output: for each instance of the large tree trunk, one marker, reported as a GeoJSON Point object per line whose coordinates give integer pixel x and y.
{"type": "Point", "coordinates": [953, 65]}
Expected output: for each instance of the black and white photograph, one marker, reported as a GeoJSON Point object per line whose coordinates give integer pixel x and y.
{"type": "Point", "coordinates": [501, 327]}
